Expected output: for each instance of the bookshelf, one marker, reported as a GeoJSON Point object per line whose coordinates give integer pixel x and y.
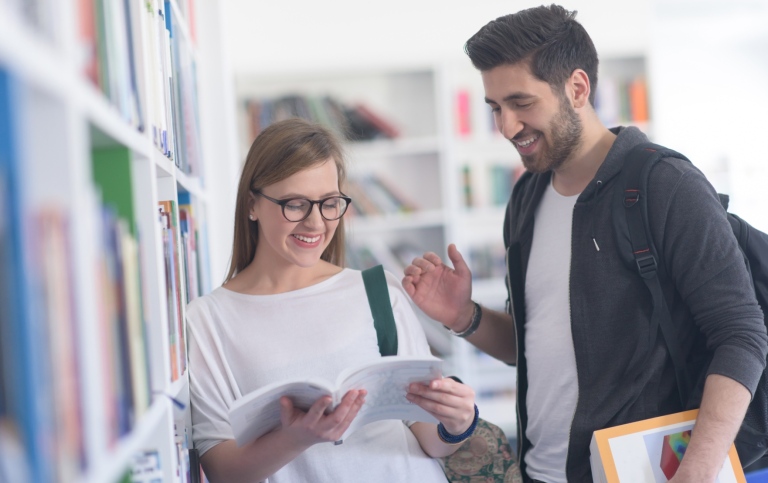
{"type": "Point", "coordinates": [104, 119]}
{"type": "Point", "coordinates": [401, 184]}
{"type": "Point", "coordinates": [485, 166]}
{"type": "Point", "coordinates": [453, 172]}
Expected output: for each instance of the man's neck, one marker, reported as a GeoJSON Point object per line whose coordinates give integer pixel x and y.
{"type": "Point", "coordinates": [574, 176]}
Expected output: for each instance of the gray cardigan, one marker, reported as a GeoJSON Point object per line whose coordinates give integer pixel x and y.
{"type": "Point", "coordinates": [706, 287]}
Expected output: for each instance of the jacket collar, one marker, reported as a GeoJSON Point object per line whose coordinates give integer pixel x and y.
{"type": "Point", "coordinates": [626, 139]}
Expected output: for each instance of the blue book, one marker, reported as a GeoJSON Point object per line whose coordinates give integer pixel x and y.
{"type": "Point", "coordinates": [25, 351]}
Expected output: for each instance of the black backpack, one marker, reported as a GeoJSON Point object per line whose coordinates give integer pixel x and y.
{"type": "Point", "coordinates": [637, 249]}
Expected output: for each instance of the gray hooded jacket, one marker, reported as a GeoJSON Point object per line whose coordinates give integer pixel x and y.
{"type": "Point", "coordinates": [706, 287]}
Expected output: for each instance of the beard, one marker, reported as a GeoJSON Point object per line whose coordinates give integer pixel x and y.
{"type": "Point", "coordinates": [563, 139]}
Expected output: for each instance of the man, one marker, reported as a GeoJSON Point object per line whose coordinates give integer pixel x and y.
{"type": "Point", "coordinates": [577, 326]}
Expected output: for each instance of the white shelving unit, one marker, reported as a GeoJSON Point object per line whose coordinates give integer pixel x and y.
{"type": "Point", "coordinates": [422, 162]}
{"type": "Point", "coordinates": [446, 130]}
{"type": "Point", "coordinates": [480, 164]}
{"type": "Point", "coordinates": [57, 121]}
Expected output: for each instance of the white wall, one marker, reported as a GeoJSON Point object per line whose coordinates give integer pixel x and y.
{"type": "Point", "coordinates": [271, 36]}
{"type": "Point", "coordinates": [709, 72]}
{"type": "Point", "coordinates": [708, 61]}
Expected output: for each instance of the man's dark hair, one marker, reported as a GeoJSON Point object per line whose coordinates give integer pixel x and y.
{"type": "Point", "coordinates": [547, 37]}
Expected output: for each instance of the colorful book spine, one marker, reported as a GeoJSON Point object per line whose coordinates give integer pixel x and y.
{"type": "Point", "coordinates": [177, 292]}
{"type": "Point", "coordinates": [463, 113]}
{"type": "Point", "coordinates": [28, 393]}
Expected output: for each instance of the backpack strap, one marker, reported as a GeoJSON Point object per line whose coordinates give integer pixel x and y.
{"type": "Point", "coordinates": [381, 308]}
{"type": "Point", "coordinates": [637, 248]}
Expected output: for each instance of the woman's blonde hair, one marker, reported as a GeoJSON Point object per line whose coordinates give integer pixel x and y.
{"type": "Point", "coordinates": [280, 151]}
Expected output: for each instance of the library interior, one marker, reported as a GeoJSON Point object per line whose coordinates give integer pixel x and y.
{"type": "Point", "coordinates": [124, 127]}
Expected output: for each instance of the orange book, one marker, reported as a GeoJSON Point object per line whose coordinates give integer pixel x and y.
{"type": "Point", "coordinates": [638, 100]}
{"type": "Point", "coordinates": [650, 451]}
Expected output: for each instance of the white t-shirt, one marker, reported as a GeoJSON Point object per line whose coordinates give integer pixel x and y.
{"type": "Point", "coordinates": [238, 343]}
{"type": "Point", "coordinates": [552, 384]}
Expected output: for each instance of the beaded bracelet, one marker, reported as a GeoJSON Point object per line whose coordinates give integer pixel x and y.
{"type": "Point", "coordinates": [449, 438]}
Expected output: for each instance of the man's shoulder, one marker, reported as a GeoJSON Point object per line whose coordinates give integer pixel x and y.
{"type": "Point", "coordinates": [671, 172]}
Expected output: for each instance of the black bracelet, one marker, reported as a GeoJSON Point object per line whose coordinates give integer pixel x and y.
{"type": "Point", "coordinates": [449, 438]}
{"type": "Point", "coordinates": [474, 323]}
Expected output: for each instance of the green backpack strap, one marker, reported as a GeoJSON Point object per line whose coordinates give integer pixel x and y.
{"type": "Point", "coordinates": [381, 309]}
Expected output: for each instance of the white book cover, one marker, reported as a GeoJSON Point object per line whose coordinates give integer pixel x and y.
{"type": "Point", "coordinates": [650, 451]}
{"type": "Point", "coordinates": [386, 380]}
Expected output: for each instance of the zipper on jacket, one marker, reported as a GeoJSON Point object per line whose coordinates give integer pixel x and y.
{"type": "Point", "coordinates": [510, 310]}
{"type": "Point", "coordinates": [598, 184]}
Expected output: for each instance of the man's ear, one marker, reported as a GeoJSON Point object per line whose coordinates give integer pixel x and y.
{"type": "Point", "coordinates": [578, 88]}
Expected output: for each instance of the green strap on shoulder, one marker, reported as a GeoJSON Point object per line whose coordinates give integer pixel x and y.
{"type": "Point", "coordinates": [381, 309]}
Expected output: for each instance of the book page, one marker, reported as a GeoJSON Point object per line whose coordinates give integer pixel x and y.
{"type": "Point", "coordinates": [258, 413]}
{"type": "Point", "coordinates": [387, 382]}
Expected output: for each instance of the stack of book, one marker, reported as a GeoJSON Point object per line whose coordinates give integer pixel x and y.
{"type": "Point", "coordinates": [357, 122]}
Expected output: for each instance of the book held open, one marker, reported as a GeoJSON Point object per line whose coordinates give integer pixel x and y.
{"type": "Point", "coordinates": [386, 380]}
{"type": "Point", "coordinates": [650, 451]}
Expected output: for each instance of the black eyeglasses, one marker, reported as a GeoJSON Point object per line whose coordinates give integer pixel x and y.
{"type": "Point", "coordinates": [298, 209]}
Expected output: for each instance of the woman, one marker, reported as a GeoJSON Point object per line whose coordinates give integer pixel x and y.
{"type": "Point", "coordinates": [288, 309]}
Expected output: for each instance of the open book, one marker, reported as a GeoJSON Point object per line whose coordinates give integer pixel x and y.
{"type": "Point", "coordinates": [386, 380]}
{"type": "Point", "coordinates": [650, 451]}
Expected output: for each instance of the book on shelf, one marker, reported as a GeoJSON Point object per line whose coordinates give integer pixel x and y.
{"type": "Point", "coordinates": [181, 440]}
{"type": "Point", "coordinates": [52, 246]}
{"type": "Point", "coordinates": [38, 14]}
{"type": "Point", "coordinates": [638, 100]}
{"type": "Point", "coordinates": [381, 197]}
{"type": "Point", "coordinates": [466, 186]}
{"type": "Point", "coordinates": [384, 126]}
{"type": "Point", "coordinates": [385, 379]}
{"type": "Point", "coordinates": [175, 293]}
{"type": "Point", "coordinates": [487, 261]}
{"type": "Point", "coordinates": [135, 321]}
{"type": "Point", "coordinates": [622, 100]}
{"type": "Point", "coordinates": [146, 467]}
{"type": "Point", "coordinates": [650, 451]}
{"type": "Point", "coordinates": [193, 248]}
{"type": "Point", "coordinates": [168, 140]}
{"type": "Point", "coordinates": [122, 308]}
{"type": "Point", "coordinates": [112, 176]}
{"type": "Point", "coordinates": [120, 374]}
{"type": "Point", "coordinates": [405, 252]}
{"type": "Point", "coordinates": [374, 194]}
{"type": "Point", "coordinates": [463, 113]}
{"type": "Point", "coordinates": [360, 257]}
{"type": "Point", "coordinates": [362, 203]}
{"type": "Point", "coordinates": [356, 122]}
{"type": "Point", "coordinates": [88, 55]}
{"type": "Point", "coordinates": [502, 178]}
{"type": "Point", "coordinates": [128, 51]}
{"type": "Point", "coordinates": [151, 31]}
{"type": "Point", "coordinates": [172, 65]}
{"type": "Point", "coordinates": [404, 203]}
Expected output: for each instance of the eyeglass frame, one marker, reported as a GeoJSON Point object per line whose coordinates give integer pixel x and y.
{"type": "Point", "coordinates": [312, 203]}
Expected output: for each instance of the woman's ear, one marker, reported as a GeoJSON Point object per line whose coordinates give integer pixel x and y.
{"type": "Point", "coordinates": [252, 212]}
